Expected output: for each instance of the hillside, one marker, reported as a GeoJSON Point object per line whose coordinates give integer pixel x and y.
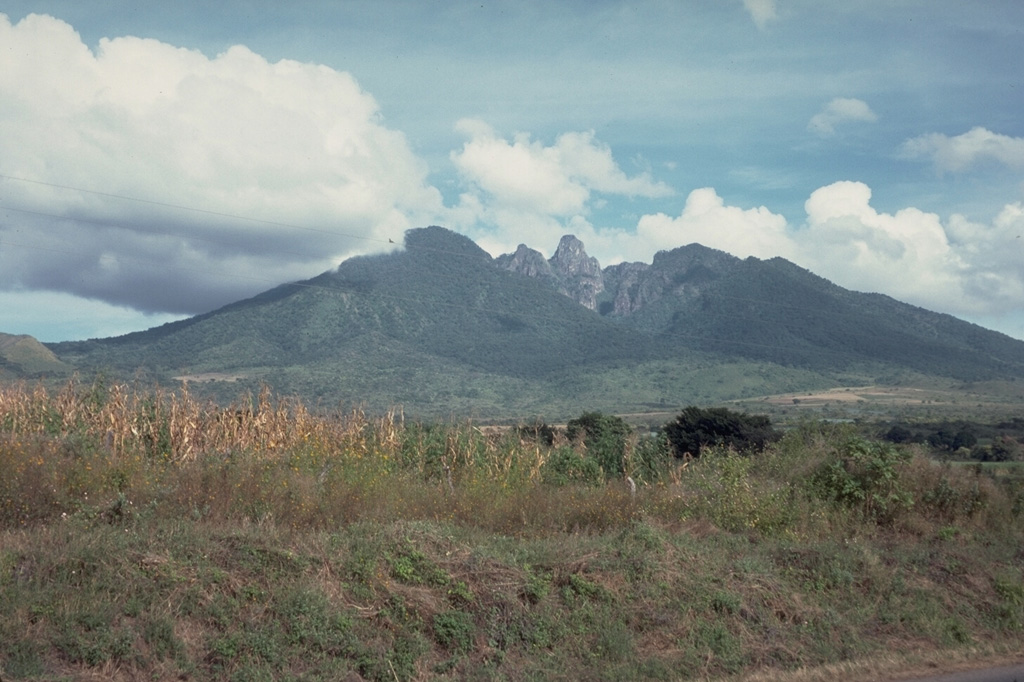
{"type": "Point", "coordinates": [776, 311]}
{"type": "Point", "coordinates": [773, 310]}
{"type": "Point", "coordinates": [435, 322]}
{"type": "Point", "coordinates": [441, 329]}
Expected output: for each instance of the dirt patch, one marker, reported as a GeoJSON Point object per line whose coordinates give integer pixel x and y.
{"type": "Point", "coordinates": [207, 377]}
{"type": "Point", "coordinates": [902, 396]}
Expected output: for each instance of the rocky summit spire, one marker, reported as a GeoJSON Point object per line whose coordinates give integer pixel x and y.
{"type": "Point", "coordinates": [579, 275]}
{"type": "Point", "coordinates": [571, 259]}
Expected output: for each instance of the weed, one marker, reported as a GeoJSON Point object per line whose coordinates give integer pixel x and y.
{"type": "Point", "coordinates": [410, 565]}
{"type": "Point", "coordinates": [407, 648]}
{"type": "Point", "coordinates": [577, 586]}
{"type": "Point", "coordinates": [459, 594]}
{"type": "Point", "coordinates": [866, 475]}
{"type": "Point", "coordinates": [22, 658]}
{"type": "Point", "coordinates": [725, 602]}
{"type": "Point", "coordinates": [454, 630]}
{"type": "Point", "coordinates": [614, 641]}
{"type": "Point", "coordinates": [537, 586]}
{"type": "Point", "coordinates": [1009, 611]}
{"type": "Point", "coordinates": [712, 648]}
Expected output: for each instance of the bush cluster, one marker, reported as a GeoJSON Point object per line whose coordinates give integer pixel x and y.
{"type": "Point", "coordinates": [1001, 441]}
{"type": "Point", "coordinates": [866, 475]}
{"type": "Point", "coordinates": [697, 429]}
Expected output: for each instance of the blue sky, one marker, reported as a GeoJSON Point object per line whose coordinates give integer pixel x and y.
{"type": "Point", "coordinates": [163, 159]}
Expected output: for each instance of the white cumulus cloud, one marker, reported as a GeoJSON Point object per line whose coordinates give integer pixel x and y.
{"type": "Point", "coordinates": [960, 152]}
{"type": "Point", "coordinates": [557, 180]}
{"type": "Point", "coordinates": [839, 111]}
{"type": "Point", "coordinates": [952, 265]}
{"type": "Point", "coordinates": [148, 129]}
{"type": "Point", "coordinates": [911, 254]}
{"type": "Point", "coordinates": [761, 11]}
{"type": "Point", "coordinates": [520, 189]}
{"type": "Point", "coordinates": [957, 266]}
{"type": "Point", "coordinates": [706, 220]}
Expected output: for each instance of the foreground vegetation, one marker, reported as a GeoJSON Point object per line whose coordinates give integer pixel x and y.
{"type": "Point", "coordinates": [152, 535]}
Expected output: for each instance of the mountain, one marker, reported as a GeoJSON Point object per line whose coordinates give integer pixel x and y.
{"type": "Point", "coordinates": [441, 328]}
{"type": "Point", "coordinates": [435, 327]}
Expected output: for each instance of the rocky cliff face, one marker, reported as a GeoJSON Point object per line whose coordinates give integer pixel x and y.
{"type": "Point", "coordinates": [629, 287]}
{"type": "Point", "coordinates": [682, 274]}
{"type": "Point", "coordinates": [623, 289]}
{"type": "Point", "coordinates": [571, 271]}
{"type": "Point", "coordinates": [527, 262]}
{"type": "Point", "coordinates": [579, 275]}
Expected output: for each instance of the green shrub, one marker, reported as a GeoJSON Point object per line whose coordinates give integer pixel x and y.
{"type": "Point", "coordinates": [952, 498]}
{"type": "Point", "coordinates": [567, 466]}
{"type": "Point", "coordinates": [734, 498]}
{"type": "Point", "coordinates": [605, 438]}
{"type": "Point", "coordinates": [454, 630]}
{"type": "Point", "coordinates": [865, 475]}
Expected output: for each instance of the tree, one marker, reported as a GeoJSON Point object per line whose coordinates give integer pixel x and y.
{"type": "Point", "coordinates": [952, 437]}
{"type": "Point", "coordinates": [605, 437]}
{"type": "Point", "coordinates": [697, 428]}
{"type": "Point", "coordinates": [1005, 449]}
{"type": "Point", "coordinates": [899, 434]}
{"type": "Point", "coordinates": [537, 431]}
{"type": "Point", "coordinates": [964, 438]}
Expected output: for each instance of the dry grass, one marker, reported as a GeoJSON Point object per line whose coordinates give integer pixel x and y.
{"type": "Point", "coordinates": [260, 456]}
{"type": "Point", "coordinates": [894, 666]}
{"type": "Point", "coordinates": [114, 448]}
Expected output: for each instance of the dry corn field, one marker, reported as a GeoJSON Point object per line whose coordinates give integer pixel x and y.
{"type": "Point", "coordinates": [261, 458]}
{"type": "Point", "coordinates": [113, 448]}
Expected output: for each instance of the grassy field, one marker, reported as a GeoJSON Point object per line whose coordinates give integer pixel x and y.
{"type": "Point", "coordinates": [912, 399]}
{"type": "Point", "coordinates": [150, 535]}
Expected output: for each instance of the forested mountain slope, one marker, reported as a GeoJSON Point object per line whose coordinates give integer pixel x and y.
{"type": "Point", "coordinates": [440, 326]}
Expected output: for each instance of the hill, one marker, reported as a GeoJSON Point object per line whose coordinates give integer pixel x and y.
{"type": "Point", "coordinates": [22, 356]}
{"type": "Point", "coordinates": [441, 328]}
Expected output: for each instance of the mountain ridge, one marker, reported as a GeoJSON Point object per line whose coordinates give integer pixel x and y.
{"type": "Point", "coordinates": [661, 297]}
{"type": "Point", "coordinates": [441, 326]}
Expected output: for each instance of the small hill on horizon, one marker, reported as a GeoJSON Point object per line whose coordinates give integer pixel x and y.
{"type": "Point", "coordinates": [22, 356]}
{"type": "Point", "coordinates": [442, 329]}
